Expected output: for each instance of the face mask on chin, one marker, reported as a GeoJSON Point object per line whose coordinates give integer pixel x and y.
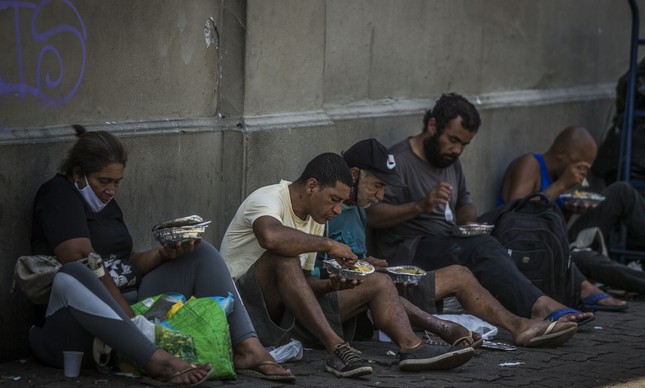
{"type": "Point", "coordinates": [90, 197]}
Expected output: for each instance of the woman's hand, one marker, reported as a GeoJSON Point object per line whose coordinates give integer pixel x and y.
{"type": "Point", "coordinates": [146, 261]}
{"type": "Point", "coordinates": [171, 251]}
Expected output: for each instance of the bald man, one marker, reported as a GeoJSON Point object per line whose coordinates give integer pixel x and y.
{"type": "Point", "coordinates": [563, 167]}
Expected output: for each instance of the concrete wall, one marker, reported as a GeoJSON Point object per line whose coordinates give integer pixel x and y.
{"type": "Point", "coordinates": [120, 61]}
{"type": "Point", "coordinates": [280, 81]}
{"type": "Point", "coordinates": [373, 67]}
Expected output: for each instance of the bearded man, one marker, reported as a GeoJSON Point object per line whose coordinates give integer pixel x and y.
{"type": "Point", "coordinates": [414, 224]}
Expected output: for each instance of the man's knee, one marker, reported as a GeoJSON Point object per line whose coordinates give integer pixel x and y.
{"type": "Point", "coordinates": [455, 272]}
{"type": "Point", "coordinates": [619, 189]}
{"type": "Point", "coordinates": [270, 264]}
{"type": "Point", "coordinates": [455, 277]}
{"type": "Point", "coordinates": [271, 271]}
{"type": "Point", "coordinates": [378, 280]}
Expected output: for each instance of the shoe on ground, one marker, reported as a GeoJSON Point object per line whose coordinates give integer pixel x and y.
{"type": "Point", "coordinates": [434, 357]}
{"type": "Point", "coordinates": [346, 362]}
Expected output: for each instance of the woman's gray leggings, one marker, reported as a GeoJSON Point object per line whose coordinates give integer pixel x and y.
{"type": "Point", "coordinates": [80, 307]}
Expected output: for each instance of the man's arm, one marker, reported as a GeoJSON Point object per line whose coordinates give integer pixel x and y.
{"type": "Point", "coordinates": [386, 215]}
{"type": "Point", "coordinates": [78, 248]}
{"type": "Point", "coordinates": [290, 242]}
{"type": "Point", "coordinates": [467, 214]}
{"type": "Point", "coordinates": [321, 287]}
{"type": "Point", "coordinates": [522, 178]}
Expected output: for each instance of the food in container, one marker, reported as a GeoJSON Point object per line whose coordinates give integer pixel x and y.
{"type": "Point", "coordinates": [582, 198]}
{"type": "Point", "coordinates": [472, 230]}
{"type": "Point", "coordinates": [180, 230]}
{"type": "Point", "coordinates": [406, 274]}
{"type": "Point", "coordinates": [359, 270]}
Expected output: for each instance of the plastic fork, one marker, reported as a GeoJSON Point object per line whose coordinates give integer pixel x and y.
{"type": "Point", "coordinates": [448, 213]}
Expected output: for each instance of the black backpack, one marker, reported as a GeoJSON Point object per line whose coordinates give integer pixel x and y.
{"type": "Point", "coordinates": [534, 232]}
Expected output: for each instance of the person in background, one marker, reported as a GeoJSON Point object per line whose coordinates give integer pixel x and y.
{"type": "Point", "coordinates": [562, 168]}
{"type": "Point", "coordinates": [75, 214]}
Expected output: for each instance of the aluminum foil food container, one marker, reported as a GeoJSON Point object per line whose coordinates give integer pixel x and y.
{"type": "Point", "coordinates": [179, 234]}
{"type": "Point", "coordinates": [582, 198]}
{"type": "Point", "coordinates": [472, 230]}
{"type": "Point", "coordinates": [180, 230]}
{"type": "Point", "coordinates": [182, 221]}
{"type": "Point", "coordinates": [409, 274]}
{"type": "Point", "coordinates": [360, 270]}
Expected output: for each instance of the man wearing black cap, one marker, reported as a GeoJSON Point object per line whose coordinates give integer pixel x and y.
{"type": "Point", "coordinates": [373, 168]}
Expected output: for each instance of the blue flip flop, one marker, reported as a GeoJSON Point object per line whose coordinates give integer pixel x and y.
{"type": "Point", "coordinates": [590, 303]}
{"type": "Point", "coordinates": [557, 314]}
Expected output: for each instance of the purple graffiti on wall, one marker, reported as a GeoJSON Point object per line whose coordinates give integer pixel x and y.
{"type": "Point", "coordinates": [39, 89]}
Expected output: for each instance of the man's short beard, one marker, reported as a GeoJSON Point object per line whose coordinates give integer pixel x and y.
{"type": "Point", "coordinates": [432, 151]}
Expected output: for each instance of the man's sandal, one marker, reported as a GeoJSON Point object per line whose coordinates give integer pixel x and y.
{"type": "Point", "coordinates": [475, 345]}
{"type": "Point", "coordinates": [255, 372]}
{"type": "Point", "coordinates": [457, 343]}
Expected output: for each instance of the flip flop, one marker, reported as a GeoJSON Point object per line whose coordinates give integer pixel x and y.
{"type": "Point", "coordinates": [475, 345]}
{"type": "Point", "coordinates": [590, 303]}
{"type": "Point", "coordinates": [255, 372]}
{"type": "Point", "coordinates": [428, 339]}
{"type": "Point", "coordinates": [557, 314]}
{"type": "Point", "coordinates": [166, 381]}
{"type": "Point", "coordinates": [550, 338]}
{"type": "Point", "coordinates": [434, 358]}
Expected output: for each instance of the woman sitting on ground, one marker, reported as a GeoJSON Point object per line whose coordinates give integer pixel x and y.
{"type": "Point", "coordinates": [75, 214]}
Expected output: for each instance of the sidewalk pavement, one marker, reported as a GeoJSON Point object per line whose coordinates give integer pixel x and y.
{"type": "Point", "coordinates": [608, 351]}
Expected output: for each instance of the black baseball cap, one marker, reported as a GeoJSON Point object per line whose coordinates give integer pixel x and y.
{"type": "Point", "coordinates": [372, 156]}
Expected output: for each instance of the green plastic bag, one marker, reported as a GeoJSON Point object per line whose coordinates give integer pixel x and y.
{"type": "Point", "coordinates": [174, 342]}
{"type": "Point", "coordinates": [204, 321]}
{"type": "Point", "coordinates": [179, 344]}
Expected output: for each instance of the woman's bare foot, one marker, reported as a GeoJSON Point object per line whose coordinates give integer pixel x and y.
{"type": "Point", "coordinates": [250, 354]}
{"type": "Point", "coordinates": [165, 367]}
{"type": "Point", "coordinates": [452, 332]}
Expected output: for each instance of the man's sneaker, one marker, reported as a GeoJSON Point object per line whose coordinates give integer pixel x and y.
{"type": "Point", "coordinates": [434, 357]}
{"type": "Point", "coordinates": [346, 362]}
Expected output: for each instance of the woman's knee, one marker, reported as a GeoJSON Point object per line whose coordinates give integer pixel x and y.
{"type": "Point", "coordinates": [76, 271]}
{"type": "Point", "coordinates": [205, 251]}
{"type": "Point", "coordinates": [75, 268]}
{"type": "Point", "coordinates": [204, 248]}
